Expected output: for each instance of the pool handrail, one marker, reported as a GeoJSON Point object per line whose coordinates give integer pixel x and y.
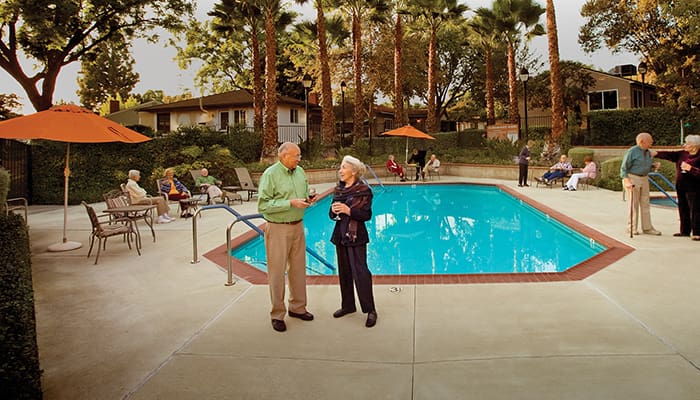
{"type": "Point", "coordinates": [245, 219]}
{"type": "Point", "coordinates": [666, 181]}
{"type": "Point", "coordinates": [374, 175]}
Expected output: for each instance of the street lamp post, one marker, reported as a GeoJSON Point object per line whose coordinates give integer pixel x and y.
{"type": "Point", "coordinates": [306, 81]}
{"type": "Point", "coordinates": [342, 126]}
{"type": "Point", "coordinates": [524, 76]}
{"type": "Point", "coordinates": [642, 69]}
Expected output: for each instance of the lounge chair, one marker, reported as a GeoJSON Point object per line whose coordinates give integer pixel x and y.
{"type": "Point", "coordinates": [246, 182]}
{"type": "Point", "coordinates": [104, 230]}
{"type": "Point", "coordinates": [227, 196]}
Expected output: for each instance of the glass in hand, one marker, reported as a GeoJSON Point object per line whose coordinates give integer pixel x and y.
{"type": "Point", "coordinates": [312, 194]}
{"type": "Point", "coordinates": [336, 216]}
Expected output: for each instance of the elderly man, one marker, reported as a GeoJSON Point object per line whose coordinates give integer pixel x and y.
{"type": "Point", "coordinates": [208, 184]}
{"type": "Point", "coordinates": [556, 171]}
{"type": "Point", "coordinates": [283, 195]}
{"type": "Point", "coordinates": [636, 165]}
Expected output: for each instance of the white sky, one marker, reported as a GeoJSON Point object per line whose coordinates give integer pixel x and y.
{"type": "Point", "coordinates": [158, 70]}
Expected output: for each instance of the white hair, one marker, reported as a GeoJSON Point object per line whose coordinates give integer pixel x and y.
{"type": "Point", "coordinates": [133, 173]}
{"type": "Point", "coordinates": [357, 166]}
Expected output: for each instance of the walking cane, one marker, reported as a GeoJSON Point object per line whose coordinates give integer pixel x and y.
{"type": "Point", "coordinates": [631, 211]}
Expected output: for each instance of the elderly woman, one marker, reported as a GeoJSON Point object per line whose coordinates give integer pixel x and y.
{"type": "Point", "coordinates": [351, 207]}
{"type": "Point", "coordinates": [590, 170]}
{"type": "Point", "coordinates": [687, 184]}
{"type": "Point", "coordinates": [138, 195]}
{"type": "Point", "coordinates": [394, 167]}
{"type": "Point", "coordinates": [175, 190]}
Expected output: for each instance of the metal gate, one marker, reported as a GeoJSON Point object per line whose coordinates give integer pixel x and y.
{"type": "Point", "coordinates": [15, 157]}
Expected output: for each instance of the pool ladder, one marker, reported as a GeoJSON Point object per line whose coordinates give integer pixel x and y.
{"type": "Point", "coordinates": [246, 220]}
{"type": "Point", "coordinates": [666, 181]}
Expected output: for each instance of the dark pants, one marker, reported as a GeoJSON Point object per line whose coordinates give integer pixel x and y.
{"type": "Point", "coordinates": [522, 177]}
{"type": "Point", "coordinates": [689, 212]}
{"type": "Point", "coordinates": [352, 267]}
{"type": "Point", "coordinates": [552, 175]}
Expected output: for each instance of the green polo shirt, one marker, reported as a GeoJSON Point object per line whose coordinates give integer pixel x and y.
{"type": "Point", "coordinates": [277, 186]}
{"type": "Point", "coordinates": [636, 162]}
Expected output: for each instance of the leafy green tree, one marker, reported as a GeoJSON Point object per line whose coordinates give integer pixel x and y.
{"type": "Point", "coordinates": [8, 104]}
{"type": "Point", "coordinates": [576, 81]}
{"type": "Point", "coordinates": [56, 33]}
{"type": "Point", "coordinates": [106, 72]}
{"type": "Point", "coordinates": [664, 32]}
{"type": "Point", "coordinates": [484, 27]}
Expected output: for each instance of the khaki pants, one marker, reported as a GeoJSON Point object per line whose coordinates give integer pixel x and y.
{"type": "Point", "coordinates": [286, 252]}
{"type": "Point", "coordinates": [640, 203]}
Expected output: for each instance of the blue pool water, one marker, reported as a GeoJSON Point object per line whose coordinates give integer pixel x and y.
{"type": "Point", "coordinates": [446, 229]}
{"type": "Point", "coordinates": [662, 201]}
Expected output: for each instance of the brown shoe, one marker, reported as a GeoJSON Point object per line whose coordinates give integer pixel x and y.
{"type": "Point", "coordinates": [279, 325]}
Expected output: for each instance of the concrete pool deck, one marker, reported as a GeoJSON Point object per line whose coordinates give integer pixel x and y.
{"type": "Point", "coordinates": [157, 326]}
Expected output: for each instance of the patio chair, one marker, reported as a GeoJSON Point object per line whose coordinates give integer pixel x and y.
{"type": "Point", "coordinates": [246, 182]}
{"type": "Point", "coordinates": [104, 230]}
{"type": "Point", "coordinates": [120, 198]}
{"type": "Point", "coordinates": [17, 203]}
{"type": "Point", "coordinates": [159, 183]}
{"type": "Point", "coordinates": [227, 196]}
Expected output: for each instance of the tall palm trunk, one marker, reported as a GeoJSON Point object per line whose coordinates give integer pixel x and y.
{"type": "Point", "coordinates": [269, 148]}
{"type": "Point", "coordinates": [398, 73]}
{"type": "Point", "coordinates": [327, 116]}
{"type": "Point", "coordinates": [258, 95]}
{"type": "Point", "coordinates": [513, 113]}
{"type": "Point", "coordinates": [490, 103]}
{"type": "Point", "coordinates": [555, 74]}
{"type": "Point", "coordinates": [357, 76]}
{"type": "Point", "coordinates": [431, 123]}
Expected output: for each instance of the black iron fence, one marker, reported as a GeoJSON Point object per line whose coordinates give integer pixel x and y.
{"type": "Point", "coordinates": [15, 157]}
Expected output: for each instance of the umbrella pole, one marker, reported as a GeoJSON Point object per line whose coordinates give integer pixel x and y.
{"type": "Point", "coordinates": [65, 245]}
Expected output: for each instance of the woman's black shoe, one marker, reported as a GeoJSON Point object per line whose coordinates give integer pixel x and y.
{"type": "Point", "coordinates": [371, 319]}
{"type": "Point", "coordinates": [342, 312]}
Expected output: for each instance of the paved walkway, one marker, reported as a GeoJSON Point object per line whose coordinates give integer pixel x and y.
{"type": "Point", "coordinates": [157, 326]}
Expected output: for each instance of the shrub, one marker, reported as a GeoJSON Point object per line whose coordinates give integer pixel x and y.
{"type": "Point", "coordinates": [577, 154]}
{"type": "Point", "coordinates": [19, 369]}
{"type": "Point", "coordinates": [4, 188]}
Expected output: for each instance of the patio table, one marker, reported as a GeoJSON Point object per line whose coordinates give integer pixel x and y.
{"type": "Point", "coordinates": [134, 213]}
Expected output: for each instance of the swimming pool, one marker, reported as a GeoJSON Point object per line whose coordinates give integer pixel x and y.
{"type": "Point", "coordinates": [446, 229]}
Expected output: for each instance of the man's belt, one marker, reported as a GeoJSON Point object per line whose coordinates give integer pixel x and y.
{"type": "Point", "coordinates": [286, 223]}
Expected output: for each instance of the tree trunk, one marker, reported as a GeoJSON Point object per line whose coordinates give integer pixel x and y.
{"type": "Point", "coordinates": [327, 116]}
{"type": "Point", "coordinates": [431, 123]}
{"type": "Point", "coordinates": [258, 95]}
{"type": "Point", "coordinates": [555, 75]}
{"type": "Point", "coordinates": [398, 74]}
{"type": "Point", "coordinates": [357, 76]}
{"type": "Point", "coordinates": [513, 113]}
{"type": "Point", "coordinates": [269, 148]}
{"type": "Point", "coordinates": [490, 103]}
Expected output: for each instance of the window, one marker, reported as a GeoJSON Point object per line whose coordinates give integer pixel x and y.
{"type": "Point", "coordinates": [239, 117]}
{"type": "Point", "coordinates": [388, 124]}
{"type": "Point", "coordinates": [604, 100]}
{"type": "Point", "coordinates": [637, 98]}
{"type": "Point", "coordinates": [163, 122]}
{"type": "Point", "coordinates": [223, 121]}
{"type": "Point", "coordinates": [294, 116]}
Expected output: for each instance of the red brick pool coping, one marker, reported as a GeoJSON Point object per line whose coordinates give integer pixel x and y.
{"type": "Point", "coordinates": [615, 251]}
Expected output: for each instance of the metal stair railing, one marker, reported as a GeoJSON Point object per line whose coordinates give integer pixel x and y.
{"type": "Point", "coordinates": [652, 175]}
{"type": "Point", "coordinates": [246, 220]}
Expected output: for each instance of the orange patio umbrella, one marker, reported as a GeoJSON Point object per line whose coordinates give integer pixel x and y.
{"type": "Point", "coordinates": [408, 131]}
{"type": "Point", "coordinates": [70, 124]}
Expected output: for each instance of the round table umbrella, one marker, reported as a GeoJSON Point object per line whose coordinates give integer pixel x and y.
{"type": "Point", "coordinates": [71, 124]}
{"type": "Point", "coordinates": [408, 131]}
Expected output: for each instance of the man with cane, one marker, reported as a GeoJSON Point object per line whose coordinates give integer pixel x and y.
{"type": "Point", "coordinates": [636, 165]}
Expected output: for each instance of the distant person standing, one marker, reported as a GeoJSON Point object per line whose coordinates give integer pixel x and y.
{"type": "Point", "coordinates": [283, 195]}
{"type": "Point", "coordinates": [418, 159]}
{"type": "Point", "coordinates": [687, 184]}
{"type": "Point", "coordinates": [636, 165]}
{"type": "Point", "coordinates": [523, 163]}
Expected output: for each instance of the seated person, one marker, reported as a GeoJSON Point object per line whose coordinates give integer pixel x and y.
{"type": "Point", "coordinates": [138, 195]}
{"type": "Point", "coordinates": [589, 171]}
{"type": "Point", "coordinates": [175, 190]}
{"type": "Point", "coordinates": [433, 165]}
{"type": "Point", "coordinates": [394, 167]}
{"type": "Point", "coordinates": [209, 185]}
{"type": "Point", "coordinates": [556, 171]}
{"type": "Point", "coordinates": [418, 159]}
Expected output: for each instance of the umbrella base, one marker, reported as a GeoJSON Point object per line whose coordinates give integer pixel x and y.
{"type": "Point", "coordinates": [65, 246]}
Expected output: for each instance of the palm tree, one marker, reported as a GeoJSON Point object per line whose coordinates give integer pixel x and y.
{"type": "Point", "coordinates": [555, 74]}
{"type": "Point", "coordinates": [483, 25]}
{"type": "Point", "coordinates": [232, 16]}
{"type": "Point", "coordinates": [435, 13]}
{"type": "Point", "coordinates": [270, 10]}
{"type": "Point", "coordinates": [398, 64]}
{"type": "Point", "coordinates": [512, 15]}
{"type": "Point", "coordinates": [359, 11]}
